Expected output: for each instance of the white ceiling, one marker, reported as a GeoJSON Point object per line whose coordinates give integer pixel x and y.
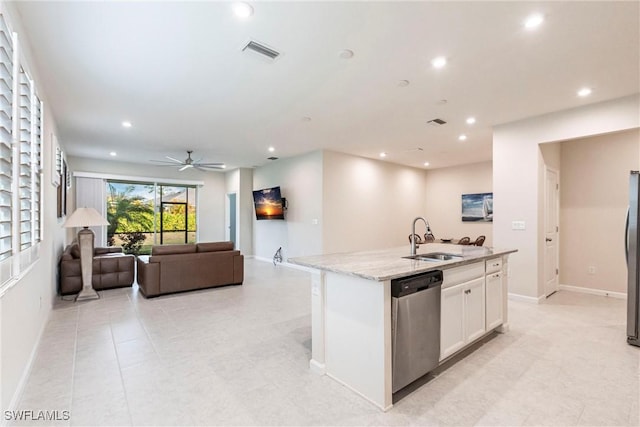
{"type": "Point", "coordinates": [175, 70]}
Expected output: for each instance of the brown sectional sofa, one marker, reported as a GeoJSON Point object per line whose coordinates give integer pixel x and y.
{"type": "Point", "coordinates": [111, 269]}
{"type": "Point", "coordinates": [177, 268]}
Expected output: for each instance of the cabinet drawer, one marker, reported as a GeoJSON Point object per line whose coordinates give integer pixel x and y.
{"type": "Point", "coordinates": [454, 276]}
{"type": "Point", "coordinates": [493, 265]}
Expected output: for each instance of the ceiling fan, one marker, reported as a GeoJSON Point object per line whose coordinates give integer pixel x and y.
{"type": "Point", "coordinates": [189, 163]}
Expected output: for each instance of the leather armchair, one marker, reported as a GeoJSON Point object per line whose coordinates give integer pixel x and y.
{"type": "Point", "coordinates": [111, 269]}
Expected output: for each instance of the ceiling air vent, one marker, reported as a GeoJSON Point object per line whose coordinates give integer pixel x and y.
{"type": "Point", "coordinates": [436, 122]}
{"type": "Point", "coordinates": [272, 158]}
{"type": "Point", "coordinates": [260, 49]}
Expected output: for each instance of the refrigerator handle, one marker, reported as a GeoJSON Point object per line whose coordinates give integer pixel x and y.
{"type": "Point", "coordinates": [626, 237]}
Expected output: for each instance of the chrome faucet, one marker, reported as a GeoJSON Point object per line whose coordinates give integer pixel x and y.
{"type": "Point", "coordinates": [413, 233]}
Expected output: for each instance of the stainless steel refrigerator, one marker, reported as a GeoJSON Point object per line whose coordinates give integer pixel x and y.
{"type": "Point", "coordinates": [632, 240]}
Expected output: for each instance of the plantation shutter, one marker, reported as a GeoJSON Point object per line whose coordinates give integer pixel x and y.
{"type": "Point", "coordinates": [37, 168]}
{"type": "Point", "coordinates": [6, 126]}
{"type": "Point", "coordinates": [25, 179]}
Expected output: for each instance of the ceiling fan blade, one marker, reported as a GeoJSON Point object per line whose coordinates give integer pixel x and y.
{"type": "Point", "coordinates": [210, 164]}
{"type": "Point", "coordinates": [185, 167]}
{"type": "Point", "coordinates": [175, 160]}
{"type": "Point", "coordinates": [163, 163]}
{"type": "Point", "coordinates": [211, 167]}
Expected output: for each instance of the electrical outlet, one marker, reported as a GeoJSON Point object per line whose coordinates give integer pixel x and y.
{"type": "Point", "coordinates": [517, 225]}
{"type": "Point", "coordinates": [591, 270]}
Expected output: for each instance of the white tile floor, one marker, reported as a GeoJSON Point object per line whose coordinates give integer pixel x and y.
{"type": "Point", "coordinates": [239, 356]}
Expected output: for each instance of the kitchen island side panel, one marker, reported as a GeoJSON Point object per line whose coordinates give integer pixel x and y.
{"type": "Point", "coordinates": [357, 335]}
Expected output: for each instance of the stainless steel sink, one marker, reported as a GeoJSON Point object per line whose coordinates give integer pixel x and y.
{"type": "Point", "coordinates": [435, 256]}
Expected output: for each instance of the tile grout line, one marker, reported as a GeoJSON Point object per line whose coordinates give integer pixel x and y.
{"type": "Point", "coordinates": [73, 365]}
{"type": "Point", "coordinates": [124, 389]}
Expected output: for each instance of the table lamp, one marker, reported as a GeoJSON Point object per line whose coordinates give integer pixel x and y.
{"type": "Point", "coordinates": [85, 218]}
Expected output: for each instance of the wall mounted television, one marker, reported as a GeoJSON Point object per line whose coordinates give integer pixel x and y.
{"type": "Point", "coordinates": [268, 203]}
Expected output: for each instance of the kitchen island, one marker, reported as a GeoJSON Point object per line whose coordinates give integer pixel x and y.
{"type": "Point", "coordinates": [351, 308]}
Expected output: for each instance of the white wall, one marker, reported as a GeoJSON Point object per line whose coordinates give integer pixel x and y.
{"type": "Point", "coordinates": [445, 187]}
{"type": "Point", "coordinates": [300, 180]}
{"type": "Point", "coordinates": [211, 198]}
{"type": "Point", "coordinates": [517, 192]}
{"type": "Point", "coordinates": [369, 204]}
{"type": "Point", "coordinates": [593, 204]}
{"type": "Point", "coordinates": [25, 307]}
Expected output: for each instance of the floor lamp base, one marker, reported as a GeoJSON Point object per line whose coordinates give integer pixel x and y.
{"type": "Point", "coordinates": [87, 293]}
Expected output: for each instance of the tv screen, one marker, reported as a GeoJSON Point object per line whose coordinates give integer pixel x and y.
{"type": "Point", "coordinates": [268, 203]}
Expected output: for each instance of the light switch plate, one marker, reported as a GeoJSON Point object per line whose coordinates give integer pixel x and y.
{"type": "Point", "coordinates": [517, 225]}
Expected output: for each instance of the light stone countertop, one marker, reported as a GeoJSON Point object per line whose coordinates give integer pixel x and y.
{"type": "Point", "coordinates": [387, 264]}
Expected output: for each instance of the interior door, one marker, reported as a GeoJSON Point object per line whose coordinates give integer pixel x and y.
{"type": "Point", "coordinates": [551, 231]}
{"type": "Point", "coordinates": [232, 218]}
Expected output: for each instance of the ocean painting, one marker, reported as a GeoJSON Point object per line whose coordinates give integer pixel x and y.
{"type": "Point", "coordinates": [477, 207]}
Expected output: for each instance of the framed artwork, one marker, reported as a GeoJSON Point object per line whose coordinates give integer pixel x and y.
{"type": "Point", "coordinates": [477, 207]}
{"type": "Point", "coordinates": [56, 162]}
{"type": "Point", "coordinates": [62, 191]}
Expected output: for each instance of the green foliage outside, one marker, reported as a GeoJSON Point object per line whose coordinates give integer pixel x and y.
{"type": "Point", "coordinates": [131, 220]}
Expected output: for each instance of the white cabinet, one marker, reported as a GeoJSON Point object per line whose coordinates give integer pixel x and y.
{"type": "Point", "coordinates": [494, 292]}
{"type": "Point", "coordinates": [494, 300]}
{"type": "Point", "coordinates": [462, 315]}
{"type": "Point", "coordinates": [451, 320]}
{"type": "Point", "coordinates": [474, 310]}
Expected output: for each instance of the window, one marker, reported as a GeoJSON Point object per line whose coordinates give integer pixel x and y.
{"type": "Point", "coordinates": [20, 161]}
{"type": "Point", "coordinates": [25, 177]}
{"type": "Point", "coordinates": [6, 154]}
{"type": "Point", "coordinates": [141, 214]}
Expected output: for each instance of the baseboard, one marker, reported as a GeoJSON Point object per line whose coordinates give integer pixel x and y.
{"type": "Point", "coordinates": [249, 256]}
{"type": "Point", "coordinates": [317, 368]}
{"type": "Point", "coordinates": [17, 395]}
{"type": "Point", "coordinates": [263, 259]}
{"type": "Point", "coordinates": [524, 298]}
{"type": "Point", "coordinates": [599, 292]}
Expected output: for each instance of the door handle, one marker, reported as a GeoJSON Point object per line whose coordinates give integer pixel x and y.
{"type": "Point", "coordinates": [626, 236]}
{"type": "Point", "coordinates": [548, 239]}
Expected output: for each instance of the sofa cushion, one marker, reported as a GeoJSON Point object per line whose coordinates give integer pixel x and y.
{"type": "Point", "coordinates": [214, 246]}
{"type": "Point", "coordinates": [173, 249]}
{"type": "Point", "coordinates": [75, 251]}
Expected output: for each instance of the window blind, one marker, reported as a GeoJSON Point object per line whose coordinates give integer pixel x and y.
{"type": "Point", "coordinates": [6, 126]}
{"type": "Point", "coordinates": [25, 178]}
{"type": "Point", "coordinates": [37, 167]}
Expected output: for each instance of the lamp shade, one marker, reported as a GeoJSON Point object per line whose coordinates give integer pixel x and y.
{"type": "Point", "coordinates": [85, 217]}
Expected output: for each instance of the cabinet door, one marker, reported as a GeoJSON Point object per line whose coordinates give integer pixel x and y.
{"type": "Point", "coordinates": [452, 320]}
{"type": "Point", "coordinates": [474, 309]}
{"type": "Point", "coordinates": [494, 300]}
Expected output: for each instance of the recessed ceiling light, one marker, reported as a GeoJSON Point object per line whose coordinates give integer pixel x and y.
{"type": "Point", "coordinates": [462, 137]}
{"type": "Point", "coordinates": [426, 163]}
{"type": "Point", "coordinates": [442, 102]}
{"type": "Point", "coordinates": [439, 62]}
{"type": "Point", "coordinates": [126, 124]}
{"type": "Point", "coordinates": [585, 91]}
{"type": "Point", "coordinates": [533, 21]}
{"type": "Point", "coordinates": [242, 10]}
{"type": "Point", "coordinates": [271, 149]}
{"type": "Point", "coordinates": [383, 154]}
{"type": "Point", "coordinates": [403, 83]}
{"type": "Point", "coordinates": [471, 120]}
{"type": "Point", "coordinates": [113, 153]}
{"type": "Point", "coordinates": [346, 54]}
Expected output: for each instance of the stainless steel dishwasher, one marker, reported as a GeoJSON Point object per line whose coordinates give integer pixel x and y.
{"type": "Point", "coordinates": [415, 326]}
